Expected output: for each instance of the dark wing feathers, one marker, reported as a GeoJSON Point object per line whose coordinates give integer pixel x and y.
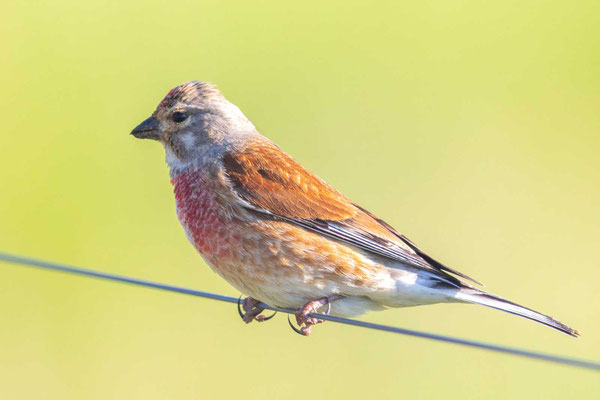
{"type": "Point", "coordinates": [274, 183]}
{"type": "Point", "coordinates": [417, 250]}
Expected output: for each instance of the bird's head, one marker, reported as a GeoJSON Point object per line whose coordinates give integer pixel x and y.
{"type": "Point", "coordinates": [195, 123]}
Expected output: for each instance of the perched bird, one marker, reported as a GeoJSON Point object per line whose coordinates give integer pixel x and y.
{"type": "Point", "coordinates": [280, 234]}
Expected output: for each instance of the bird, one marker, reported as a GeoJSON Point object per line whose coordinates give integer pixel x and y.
{"type": "Point", "coordinates": [280, 234]}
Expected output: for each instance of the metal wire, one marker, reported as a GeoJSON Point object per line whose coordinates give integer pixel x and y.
{"type": "Point", "coordinates": [26, 261]}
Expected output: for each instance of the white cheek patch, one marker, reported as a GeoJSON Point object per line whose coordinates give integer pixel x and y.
{"type": "Point", "coordinates": [189, 140]}
{"type": "Point", "coordinates": [171, 158]}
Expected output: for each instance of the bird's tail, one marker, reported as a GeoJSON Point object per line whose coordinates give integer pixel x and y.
{"type": "Point", "coordinates": [471, 295]}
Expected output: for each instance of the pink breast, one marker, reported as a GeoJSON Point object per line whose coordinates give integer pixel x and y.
{"type": "Point", "coordinates": [201, 214]}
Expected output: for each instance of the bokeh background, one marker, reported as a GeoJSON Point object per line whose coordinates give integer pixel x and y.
{"type": "Point", "coordinates": [473, 127]}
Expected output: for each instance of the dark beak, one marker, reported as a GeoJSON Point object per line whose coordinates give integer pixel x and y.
{"type": "Point", "coordinates": [149, 129]}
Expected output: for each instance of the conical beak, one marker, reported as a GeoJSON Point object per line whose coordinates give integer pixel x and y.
{"type": "Point", "coordinates": [149, 129]}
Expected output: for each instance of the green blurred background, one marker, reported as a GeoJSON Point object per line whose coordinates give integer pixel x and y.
{"type": "Point", "coordinates": [473, 127]}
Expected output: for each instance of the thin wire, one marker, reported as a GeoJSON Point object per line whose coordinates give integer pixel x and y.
{"type": "Point", "coordinates": [26, 261]}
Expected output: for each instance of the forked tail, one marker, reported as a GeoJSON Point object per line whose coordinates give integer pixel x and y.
{"type": "Point", "coordinates": [490, 300]}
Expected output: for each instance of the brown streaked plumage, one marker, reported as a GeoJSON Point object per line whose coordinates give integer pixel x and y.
{"type": "Point", "coordinates": [282, 235]}
{"type": "Point", "coordinates": [271, 180]}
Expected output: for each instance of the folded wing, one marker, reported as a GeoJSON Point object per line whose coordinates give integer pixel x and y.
{"type": "Point", "coordinates": [271, 182]}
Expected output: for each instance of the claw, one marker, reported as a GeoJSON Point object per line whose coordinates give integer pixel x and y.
{"type": "Point", "coordinates": [251, 311]}
{"type": "Point", "coordinates": [269, 317]}
{"type": "Point", "coordinates": [298, 331]}
{"type": "Point", "coordinates": [240, 308]}
{"type": "Point", "coordinates": [303, 318]}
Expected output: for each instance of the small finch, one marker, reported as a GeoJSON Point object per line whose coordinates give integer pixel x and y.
{"type": "Point", "coordinates": [283, 236]}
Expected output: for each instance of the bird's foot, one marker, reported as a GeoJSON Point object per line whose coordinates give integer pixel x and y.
{"type": "Point", "coordinates": [305, 321]}
{"type": "Point", "coordinates": [252, 310]}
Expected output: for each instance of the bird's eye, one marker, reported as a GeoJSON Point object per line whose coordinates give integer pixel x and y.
{"type": "Point", "coordinates": [179, 116]}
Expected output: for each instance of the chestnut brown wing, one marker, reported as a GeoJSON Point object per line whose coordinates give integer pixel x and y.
{"type": "Point", "coordinates": [272, 182]}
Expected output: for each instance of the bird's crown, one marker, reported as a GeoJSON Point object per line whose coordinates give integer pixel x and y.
{"type": "Point", "coordinates": [190, 92]}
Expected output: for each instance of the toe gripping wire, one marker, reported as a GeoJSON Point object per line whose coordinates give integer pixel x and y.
{"type": "Point", "coordinates": [256, 311]}
{"type": "Point", "coordinates": [305, 331]}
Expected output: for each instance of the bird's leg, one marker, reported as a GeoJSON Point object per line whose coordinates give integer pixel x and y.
{"type": "Point", "coordinates": [302, 314]}
{"type": "Point", "coordinates": [252, 310]}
